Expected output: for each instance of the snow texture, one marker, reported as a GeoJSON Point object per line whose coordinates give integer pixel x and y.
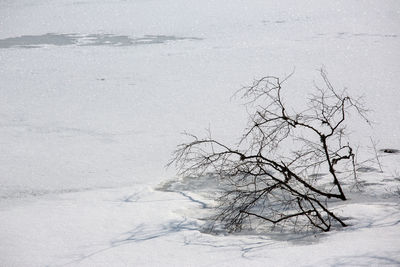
{"type": "Point", "coordinates": [95, 93]}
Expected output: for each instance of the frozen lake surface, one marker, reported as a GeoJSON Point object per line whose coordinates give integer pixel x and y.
{"type": "Point", "coordinates": [94, 95]}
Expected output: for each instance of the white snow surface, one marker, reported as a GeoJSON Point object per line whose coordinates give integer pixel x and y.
{"type": "Point", "coordinates": [95, 93]}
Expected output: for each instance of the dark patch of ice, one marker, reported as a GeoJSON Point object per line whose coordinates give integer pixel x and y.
{"type": "Point", "coordinates": [390, 150]}
{"type": "Point", "coordinates": [64, 39]}
{"type": "Point", "coordinates": [367, 169]}
{"type": "Point", "coordinates": [317, 175]}
{"type": "Point", "coordinates": [194, 184]}
{"type": "Point", "coordinates": [363, 34]}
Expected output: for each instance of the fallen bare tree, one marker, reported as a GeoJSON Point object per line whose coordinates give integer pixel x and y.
{"type": "Point", "coordinates": [287, 166]}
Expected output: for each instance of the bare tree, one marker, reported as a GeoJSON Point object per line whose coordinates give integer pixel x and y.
{"type": "Point", "coordinates": [287, 166]}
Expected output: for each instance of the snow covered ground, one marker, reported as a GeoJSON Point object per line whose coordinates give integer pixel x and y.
{"type": "Point", "coordinates": [94, 95]}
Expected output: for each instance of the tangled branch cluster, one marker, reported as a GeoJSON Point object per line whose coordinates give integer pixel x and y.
{"type": "Point", "coordinates": [274, 173]}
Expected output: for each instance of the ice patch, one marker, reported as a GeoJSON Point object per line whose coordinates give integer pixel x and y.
{"type": "Point", "coordinates": [63, 39]}
{"type": "Point", "coordinates": [390, 151]}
